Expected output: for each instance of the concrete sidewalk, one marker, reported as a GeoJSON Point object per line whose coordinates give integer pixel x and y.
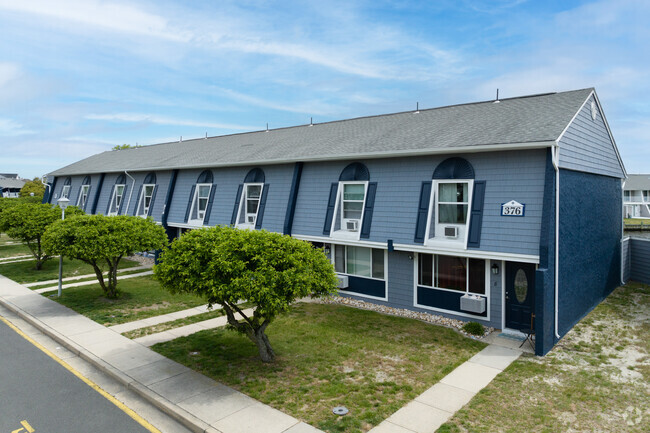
{"type": "Point", "coordinates": [199, 403]}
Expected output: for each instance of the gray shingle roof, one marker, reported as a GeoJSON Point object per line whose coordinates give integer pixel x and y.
{"type": "Point", "coordinates": [528, 120]}
{"type": "Point", "coordinates": [637, 182]}
{"type": "Point", "coordinates": [11, 183]}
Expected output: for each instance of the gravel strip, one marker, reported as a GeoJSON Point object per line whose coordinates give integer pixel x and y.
{"type": "Point", "coordinates": [425, 317]}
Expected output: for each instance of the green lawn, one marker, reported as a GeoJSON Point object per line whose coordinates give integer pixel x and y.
{"type": "Point", "coordinates": [140, 298]}
{"type": "Point", "coordinates": [596, 379]}
{"type": "Point", "coordinates": [11, 250]}
{"type": "Point", "coordinates": [327, 356]}
{"type": "Point", "coordinates": [636, 221]}
{"type": "Point", "coordinates": [25, 272]}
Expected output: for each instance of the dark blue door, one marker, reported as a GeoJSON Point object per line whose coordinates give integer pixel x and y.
{"type": "Point", "coordinates": [520, 294]}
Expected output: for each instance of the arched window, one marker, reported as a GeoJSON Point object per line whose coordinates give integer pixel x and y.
{"type": "Point", "coordinates": [84, 190]}
{"type": "Point", "coordinates": [146, 196]}
{"type": "Point", "coordinates": [351, 200]}
{"type": "Point", "coordinates": [201, 199]}
{"type": "Point", "coordinates": [65, 192]}
{"type": "Point", "coordinates": [251, 200]}
{"type": "Point", "coordinates": [444, 206]}
{"type": "Point", "coordinates": [119, 189]}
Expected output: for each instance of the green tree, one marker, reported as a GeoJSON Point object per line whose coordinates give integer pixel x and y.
{"type": "Point", "coordinates": [99, 239]}
{"type": "Point", "coordinates": [227, 265]}
{"type": "Point", "coordinates": [33, 186]}
{"type": "Point", "coordinates": [27, 222]}
{"type": "Point", "coordinates": [125, 146]}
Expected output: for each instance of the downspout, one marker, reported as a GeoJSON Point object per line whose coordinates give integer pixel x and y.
{"type": "Point", "coordinates": [555, 157]}
{"type": "Point", "coordinates": [128, 203]}
{"type": "Point", "coordinates": [622, 229]}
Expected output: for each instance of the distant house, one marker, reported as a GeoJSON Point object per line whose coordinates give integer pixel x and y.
{"type": "Point", "coordinates": [636, 196]}
{"type": "Point", "coordinates": [480, 212]}
{"type": "Point", "coordinates": [10, 185]}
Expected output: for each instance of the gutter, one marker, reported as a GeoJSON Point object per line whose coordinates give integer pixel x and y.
{"type": "Point", "coordinates": [555, 157]}
{"type": "Point", "coordinates": [128, 203]}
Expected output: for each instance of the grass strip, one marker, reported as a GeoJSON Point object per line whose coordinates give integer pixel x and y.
{"type": "Point", "coordinates": [13, 250]}
{"type": "Point", "coordinates": [93, 278]}
{"type": "Point", "coordinates": [140, 297]}
{"type": "Point", "coordinates": [161, 327]}
{"type": "Point", "coordinates": [327, 356]}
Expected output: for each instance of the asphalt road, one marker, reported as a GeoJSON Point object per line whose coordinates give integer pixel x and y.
{"type": "Point", "coordinates": [37, 394]}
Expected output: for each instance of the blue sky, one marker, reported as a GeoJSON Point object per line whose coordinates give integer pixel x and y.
{"type": "Point", "coordinates": [78, 77]}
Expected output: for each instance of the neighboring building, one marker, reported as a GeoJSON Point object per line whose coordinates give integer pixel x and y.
{"type": "Point", "coordinates": [449, 210]}
{"type": "Point", "coordinates": [10, 185]}
{"type": "Point", "coordinates": [636, 196]}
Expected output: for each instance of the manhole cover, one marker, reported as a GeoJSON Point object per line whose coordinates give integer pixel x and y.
{"type": "Point", "coordinates": [340, 410]}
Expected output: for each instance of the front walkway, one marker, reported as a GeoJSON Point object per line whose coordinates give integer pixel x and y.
{"type": "Point", "coordinates": [204, 405]}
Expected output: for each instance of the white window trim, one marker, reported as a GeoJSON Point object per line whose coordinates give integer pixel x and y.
{"type": "Point", "coordinates": [344, 234]}
{"type": "Point", "coordinates": [81, 193]}
{"type": "Point", "coordinates": [242, 206]}
{"type": "Point", "coordinates": [416, 266]}
{"type": "Point", "coordinates": [385, 279]}
{"type": "Point", "coordinates": [113, 198]}
{"type": "Point", "coordinates": [140, 200]}
{"type": "Point", "coordinates": [65, 191]}
{"type": "Point", "coordinates": [460, 243]}
{"type": "Point", "coordinates": [198, 221]}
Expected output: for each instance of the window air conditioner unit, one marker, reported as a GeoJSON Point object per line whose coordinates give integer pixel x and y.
{"type": "Point", "coordinates": [451, 232]}
{"type": "Point", "coordinates": [343, 281]}
{"type": "Point", "coordinates": [472, 303]}
{"type": "Point", "coordinates": [352, 225]}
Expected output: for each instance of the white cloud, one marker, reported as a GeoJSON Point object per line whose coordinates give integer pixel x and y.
{"type": "Point", "coordinates": [11, 128]}
{"type": "Point", "coordinates": [163, 120]}
{"type": "Point", "coordinates": [113, 16]}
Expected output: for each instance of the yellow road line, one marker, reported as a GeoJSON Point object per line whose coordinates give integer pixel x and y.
{"type": "Point", "coordinates": [144, 423]}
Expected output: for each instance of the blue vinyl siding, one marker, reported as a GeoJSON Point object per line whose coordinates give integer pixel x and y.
{"type": "Point", "coordinates": [508, 176]}
{"type": "Point", "coordinates": [590, 254]}
{"type": "Point", "coordinates": [278, 177]}
{"type": "Point", "coordinates": [162, 183]}
{"type": "Point", "coordinates": [586, 146]}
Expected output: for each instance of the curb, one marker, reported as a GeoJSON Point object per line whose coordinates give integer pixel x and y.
{"type": "Point", "coordinates": [174, 411]}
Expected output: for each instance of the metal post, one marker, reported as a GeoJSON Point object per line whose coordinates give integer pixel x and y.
{"type": "Point", "coordinates": [61, 261]}
{"type": "Point", "coordinates": [63, 203]}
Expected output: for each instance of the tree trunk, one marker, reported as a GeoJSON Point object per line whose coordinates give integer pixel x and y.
{"type": "Point", "coordinates": [100, 278]}
{"type": "Point", "coordinates": [252, 330]}
{"type": "Point", "coordinates": [263, 345]}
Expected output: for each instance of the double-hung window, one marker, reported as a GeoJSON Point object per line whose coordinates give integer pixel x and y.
{"type": "Point", "coordinates": [249, 204]}
{"type": "Point", "coordinates": [450, 206]}
{"type": "Point", "coordinates": [200, 203]}
{"type": "Point", "coordinates": [116, 199]}
{"type": "Point", "coordinates": [460, 274]}
{"type": "Point", "coordinates": [83, 196]}
{"type": "Point", "coordinates": [359, 261]}
{"type": "Point", "coordinates": [144, 202]}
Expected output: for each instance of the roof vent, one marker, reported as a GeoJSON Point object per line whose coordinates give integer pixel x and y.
{"type": "Point", "coordinates": [496, 101]}
{"type": "Point", "coordinates": [417, 108]}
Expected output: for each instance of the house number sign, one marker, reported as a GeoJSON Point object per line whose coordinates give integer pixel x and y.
{"type": "Point", "coordinates": [513, 208]}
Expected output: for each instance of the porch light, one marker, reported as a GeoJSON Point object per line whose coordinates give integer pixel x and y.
{"type": "Point", "coordinates": [495, 269]}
